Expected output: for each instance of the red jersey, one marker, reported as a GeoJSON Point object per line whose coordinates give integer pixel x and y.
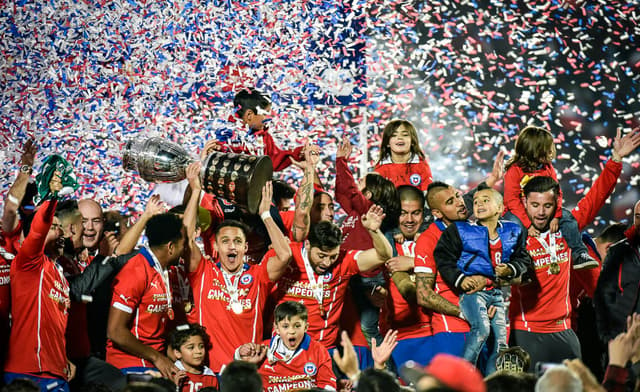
{"type": "Point", "coordinates": [543, 306]}
{"type": "Point", "coordinates": [425, 263]}
{"type": "Point", "coordinates": [330, 289]}
{"type": "Point", "coordinates": [226, 328]}
{"type": "Point", "coordinates": [194, 382]}
{"type": "Point", "coordinates": [40, 304]}
{"type": "Point", "coordinates": [409, 319]}
{"type": "Point", "coordinates": [514, 180]}
{"type": "Point", "coordinates": [140, 290]}
{"type": "Point", "coordinates": [416, 172]}
{"type": "Point", "coordinates": [309, 367]}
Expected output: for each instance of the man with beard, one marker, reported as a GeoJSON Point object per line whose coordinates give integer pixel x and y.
{"type": "Point", "coordinates": [40, 304]}
{"type": "Point", "coordinates": [541, 310]}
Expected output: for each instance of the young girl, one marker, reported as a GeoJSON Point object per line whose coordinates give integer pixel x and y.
{"type": "Point", "coordinates": [189, 343]}
{"type": "Point", "coordinates": [534, 152]}
{"type": "Point", "coordinates": [401, 158]}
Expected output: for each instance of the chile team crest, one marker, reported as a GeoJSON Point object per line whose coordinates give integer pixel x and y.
{"type": "Point", "coordinates": [246, 279]}
{"type": "Point", "coordinates": [415, 179]}
{"type": "Point", "coordinates": [310, 369]}
{"type": "Point", "coordinates": [327, 277]}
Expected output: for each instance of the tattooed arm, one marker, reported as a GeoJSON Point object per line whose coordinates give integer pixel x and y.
{"type": "Point", "coordinates": [430, 299]}
{"type": "Point", "coordinates": [301, 219]}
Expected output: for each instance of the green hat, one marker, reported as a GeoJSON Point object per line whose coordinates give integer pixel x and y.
{"type": "Point", "coordinates": [55, 163]}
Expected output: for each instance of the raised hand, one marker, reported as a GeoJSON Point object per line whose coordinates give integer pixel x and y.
{"type": "Point", "coordinates": [29, 153]}
{"type": "Point", "coordinates": [154, 206]}
{"type": "Point", "coordinates": [344, 148]}
{"type": "Point", "coordinates": [623, 146]}
{"type": "Point", "coordinates": [348, 361]}
{"type": "Point", "coordinates": [498, 170]}
{"type": "Point", "coordinates": [209, 147]}
{"type": "Point", "coordinates": [193, 176]}
{"type": "Point", "coordinates": [265, 201]}
{"type": "Point", "coordinates": [382, 353]}
{"type": "Point", "coordinates": [372, 220]}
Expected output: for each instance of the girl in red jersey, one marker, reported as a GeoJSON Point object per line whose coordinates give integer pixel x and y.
{"type": "Point", "coordinates": [534, 153]}
{"type": "Point", "coordinates": [190, 343]}
{"type": "Point", "coordinates": [401, 158]}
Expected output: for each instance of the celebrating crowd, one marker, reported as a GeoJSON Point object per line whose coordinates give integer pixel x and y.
{"type": "Point", "coordinates": [419, 287]}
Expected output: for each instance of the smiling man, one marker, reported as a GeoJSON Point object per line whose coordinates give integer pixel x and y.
{"type": "Point", "coordinates": [540, 311]}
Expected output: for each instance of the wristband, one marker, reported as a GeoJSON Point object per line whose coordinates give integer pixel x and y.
{"type": "Point", "coordinates": [265, 215]}
{"type": "Point", "coordinates": [12, 199]}
{"type": "Point", "coordinates": [461, 316]}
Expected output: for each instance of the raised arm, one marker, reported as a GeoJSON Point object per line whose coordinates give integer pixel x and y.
{"type": "Point", "coordinates": [191, 213]}
{"type": "Point", "coordinates": [381, 252]}
{"type": "Point", "coordinates": [277, 264]}
{"type": "Point", "coordinates": [18, 189]}
{"type": "Point", "coordinates": [304, 200]}
{"type": "Point", "coordinates": [347, 193]}
{"type": "Point", "coordinates": [130, 238]}
{"type": "Point", "coordinates": [588, 207]}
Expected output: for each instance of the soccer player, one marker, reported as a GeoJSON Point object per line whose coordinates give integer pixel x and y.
{"type": "Point", "coordinates": [40, 304]}
{"type": "Point", "coordinates": [291, 359]}
{"type": "Point", "coordinates": [318, 279]}
{"type": "Point", "coordinates": [141, 304]}
{"type": "Point", "coordinates": [230, 295]}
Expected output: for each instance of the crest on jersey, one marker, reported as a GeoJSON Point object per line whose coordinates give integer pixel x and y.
{"type": "Point", "coordinates": [327, 277]}
{"type": "Point", "coordinates": [246, 279]}
{"type": "Point", "coordinates": [415, 179]}
{"type": "Point", "coordinates": [310, 369]}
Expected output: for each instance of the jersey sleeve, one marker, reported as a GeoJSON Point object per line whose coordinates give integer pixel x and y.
{"type": "Point", "coordinates": [349, 265]}
{"type": "Point", "coordinates": [424, 261]}
{"type": "Point", "coordinates": [326, 378]}
{"type": "Point", "coordinates": [588, 207]}
{"type": "Point", "coordinates": [33, 246]}
{"type": "Point", "coordinates": [128, 287]}
{"type": "Point", "coordinates": [347, 193]}
{"type": "Point", "coordinates": [512, 194]}
{"type": "Point", "coordinates": [281, 159]}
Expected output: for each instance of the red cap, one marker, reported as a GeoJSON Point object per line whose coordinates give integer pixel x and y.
{"type": "Point", "coordinates": [456, 373]}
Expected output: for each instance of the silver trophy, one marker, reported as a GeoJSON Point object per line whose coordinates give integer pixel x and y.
{"type": "Point", "coordinates": [238, 178]}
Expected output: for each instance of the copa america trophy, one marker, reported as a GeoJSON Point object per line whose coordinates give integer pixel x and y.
{"type": "Point", "coordinates": [238, 178]}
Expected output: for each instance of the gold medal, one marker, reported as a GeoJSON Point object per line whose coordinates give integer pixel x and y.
{"type": "Point", "coordinates": [187, 307]}
{"type": "Point", "coordinates": [554, 268]}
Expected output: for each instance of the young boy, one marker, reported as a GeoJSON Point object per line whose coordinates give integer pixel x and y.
{"type": "Point", "coordinates": [475, 258]}
{"type": "Point", "coordinates": [189, 343]}
{"type": "Point", "coordinates": [291, 359]}
{"type": "Point", "coordinates": [253, 108]}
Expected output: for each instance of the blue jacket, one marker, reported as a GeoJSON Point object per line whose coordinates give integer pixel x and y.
{"type": "Point", "coordinates": [463, 250]}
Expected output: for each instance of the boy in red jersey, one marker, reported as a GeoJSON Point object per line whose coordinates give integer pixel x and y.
{"type": "Point", "coordinates": [40, 304]}
{"type": "Point", "coordinates": [291, 359]}
{"type": "Point", "coordinates": [253, 108]}
{"type": "Point", "coordinates": [190, 343]}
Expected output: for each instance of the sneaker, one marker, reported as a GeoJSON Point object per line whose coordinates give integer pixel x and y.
{"type": "Point", "coordinates": [584, 261]}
